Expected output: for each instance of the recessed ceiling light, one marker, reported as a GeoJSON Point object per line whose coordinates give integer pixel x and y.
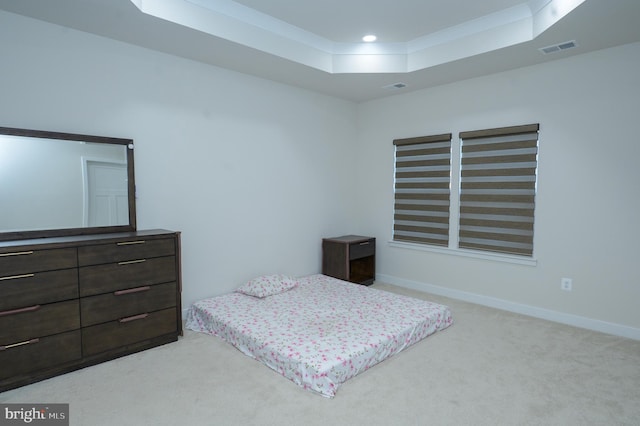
{"type": "Point", "coordinates": [369, 38]}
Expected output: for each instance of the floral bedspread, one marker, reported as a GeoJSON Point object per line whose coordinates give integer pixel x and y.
{"type": "Point", "coordinates": [322, 332]}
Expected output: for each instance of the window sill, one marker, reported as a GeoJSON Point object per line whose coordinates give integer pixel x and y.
{"type": "Point", "coordinates": [467, 253]}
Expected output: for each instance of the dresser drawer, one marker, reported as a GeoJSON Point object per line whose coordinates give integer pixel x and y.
{"type": "Point", "coordinates": [128, 274]}
{"type": "Point", "coordinates": [17, 262]}
{"type": "Point", "coordinates": [39, 353]}
{"type": "Point", "coordinates": [126, 331]}
{"type": "Point", "coordinates": [38, 288]}
{"type": "Point", "coordinates": [38, 321]}
{"type": "Point", "coordinates": [362, 249]}
{"type": "Point", "coordinates": [125, 303]}
{"type": "Point", "coordinates": [125, 250]}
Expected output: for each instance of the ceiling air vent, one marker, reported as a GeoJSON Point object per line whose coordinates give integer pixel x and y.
{"type": "Point", "coordinates": [558, 47]}
{"type": "Point", "coordinates": [395, 86]}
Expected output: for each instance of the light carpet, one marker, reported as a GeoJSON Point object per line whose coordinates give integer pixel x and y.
{"type": "Point", "coordinates": [490, 367]}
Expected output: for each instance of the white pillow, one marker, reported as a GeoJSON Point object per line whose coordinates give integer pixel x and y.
{"type": "Point", "coordinates": [267, 285]}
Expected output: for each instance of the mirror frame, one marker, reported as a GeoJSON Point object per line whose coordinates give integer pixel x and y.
{"type": "Point", "coordinates": [131, 187]}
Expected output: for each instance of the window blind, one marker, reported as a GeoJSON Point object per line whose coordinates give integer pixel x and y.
{"type": "Point", "coordinates": [422, 189]}
{"type": "Point", "coordinates": [497, 189]}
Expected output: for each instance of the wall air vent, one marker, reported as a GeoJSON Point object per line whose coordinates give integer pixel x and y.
{"type": "Point", "coordinates": [558, 47]}
{"type": "Point", "coordinates": [395, 86]}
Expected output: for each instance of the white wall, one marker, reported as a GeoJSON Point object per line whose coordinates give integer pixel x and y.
{"type": "Point", "coordinates": [588, 200]}
{"type": "Point", "coordinates": [255, 173]}
{"type": "Point", "coordinates": [252, 172]}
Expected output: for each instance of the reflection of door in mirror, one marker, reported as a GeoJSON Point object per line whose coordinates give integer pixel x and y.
{"type": "Point", "coordinates": [48, 188]}
{"type": "Point", "coordinates": [105, 193]}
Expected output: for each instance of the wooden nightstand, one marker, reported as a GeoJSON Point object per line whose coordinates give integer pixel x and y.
{"type": "Point", "coordinates": [350, 258]}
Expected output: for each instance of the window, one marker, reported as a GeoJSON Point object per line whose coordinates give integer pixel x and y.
{"type": "Point", "coordinates": [422, 181]}
{"type": "Point", "coordinates": [497, 170]}
{"type": "Point", "coordinates": [498, 188]}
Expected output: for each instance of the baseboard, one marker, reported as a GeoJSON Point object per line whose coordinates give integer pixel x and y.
{"type": "Point", "coordinates": [533, 311]}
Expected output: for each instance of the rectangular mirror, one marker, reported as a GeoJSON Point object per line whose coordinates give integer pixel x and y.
{"type": "Point", "coordinates": [57, 184]}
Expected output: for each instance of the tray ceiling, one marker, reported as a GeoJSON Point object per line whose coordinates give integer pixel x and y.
{"type": "Point", "coordinates": [316, 45]}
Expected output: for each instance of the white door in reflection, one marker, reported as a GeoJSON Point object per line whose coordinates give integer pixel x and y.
{"type": "Point", "coordinates": [106, 200]}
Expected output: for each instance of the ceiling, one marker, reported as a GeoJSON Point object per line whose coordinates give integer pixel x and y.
{"type": "Point", "coordinates": [317, 45]}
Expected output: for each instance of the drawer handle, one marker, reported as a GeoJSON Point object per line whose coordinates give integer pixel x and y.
{"type": "Point", "coordinates": [366, 243]}
{"type": "Point", "coordinates": [131, 262]}
{"type": "Point", "coordinates": [128, 243]}
{"type": "Point", "coordinates": [20, 311]}
{"type": "Point", "coordinates": [13, 277]}
{"type": "Point", "coordinates": [17, 253]}
{"type": "Point", "coordinates": [15, 345]}
{"type": "Point", "coordinates": [131, 290]}
{"type": "Point", "coordinates": [133, 318]}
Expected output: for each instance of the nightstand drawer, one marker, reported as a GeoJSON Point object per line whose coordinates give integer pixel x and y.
{"type": "Point", "coordinates": [17, 262]}
{"type": "Point", "coordinates": [125, 250]}
{"type": "Point", "coordinates": [38, 288]}
{"type": "Point", "coordinates": [127, 274]}
{"type": "Point", "coordinates": [126, 331]}
{"type": "Point", "coordinates": [125, 303]}
{"type": "Point", "coordinates": [39, 353]}
{"type": "Point", "coordinates": [30, 322]}
{"type": "Point", "coordinates": [362, 249]}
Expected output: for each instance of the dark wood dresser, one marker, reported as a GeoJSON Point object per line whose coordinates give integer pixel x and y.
{"type": "Point", "coordinates": [70, 302]}
{"type": "Point", "coordinates": [350, 258]}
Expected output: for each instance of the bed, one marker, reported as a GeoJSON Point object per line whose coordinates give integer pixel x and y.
{"type": "Point", "coordinates": [319, 331]}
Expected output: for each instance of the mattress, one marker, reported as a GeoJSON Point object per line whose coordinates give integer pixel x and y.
{"type": "Point", "coordinates": [322, 332]}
